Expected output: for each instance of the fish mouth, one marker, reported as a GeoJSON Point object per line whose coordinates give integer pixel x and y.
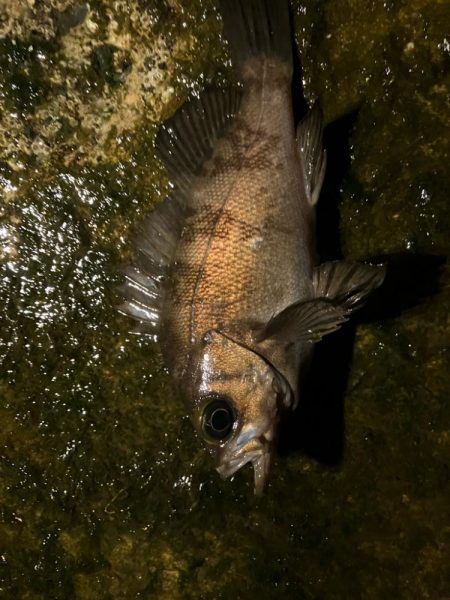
{"type": "Point", "coordinates": [257, 451]}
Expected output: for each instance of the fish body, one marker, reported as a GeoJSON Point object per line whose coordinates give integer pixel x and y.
{"type": "Point", "coordinates": [226, 272]}
{"type": "Point", "coordinates": [247, 247]}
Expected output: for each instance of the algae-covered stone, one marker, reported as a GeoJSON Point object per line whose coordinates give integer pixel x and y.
{"type": "Point", "coordinates": [104, 492]}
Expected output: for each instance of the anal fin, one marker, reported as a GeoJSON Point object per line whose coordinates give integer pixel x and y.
{"type": "Point", "coordinates": [312, 156]}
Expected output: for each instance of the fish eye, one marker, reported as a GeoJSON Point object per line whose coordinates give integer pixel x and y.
{"type": "Point", "coordinates": [218, 419]}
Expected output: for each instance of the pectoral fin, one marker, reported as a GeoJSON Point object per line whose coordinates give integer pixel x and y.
{"type": "Point", "coordinates": [309, 321]}
{"type": "Point", "coordinates": [340, 288]}
{"type": "Point", "coordinates": [345, 283]}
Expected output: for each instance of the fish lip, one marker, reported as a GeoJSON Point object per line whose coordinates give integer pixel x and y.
{"type": "Point", "coordinates": [261, 458]}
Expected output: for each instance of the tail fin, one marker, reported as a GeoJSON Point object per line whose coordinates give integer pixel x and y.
{"type": "Point", "coordinates": [257, 28]}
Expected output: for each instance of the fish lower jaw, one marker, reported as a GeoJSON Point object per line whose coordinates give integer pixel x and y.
{"type": "Point", "coordinates": [260, 460]}
{"type": "Point", "coordinates": [257, 450]}
{"type": "Point", "coordinates": [228, 468]}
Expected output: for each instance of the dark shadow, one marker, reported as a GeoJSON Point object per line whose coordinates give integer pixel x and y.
{"type": "Point", "coordinates": [337, 143]}
{"type": "Point", "coordinates": [410, 279]}
{"type": "Point", "coordinates": [299, 104]}
{"type": "Point", "coordinates": [317, 426]}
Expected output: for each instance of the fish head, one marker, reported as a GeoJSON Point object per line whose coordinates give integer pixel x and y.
{"type": "Point", "coordinates": [237, 396]}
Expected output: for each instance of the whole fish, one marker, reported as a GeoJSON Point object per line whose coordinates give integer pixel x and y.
{"type": "Point", "coordinates": [226, 275]}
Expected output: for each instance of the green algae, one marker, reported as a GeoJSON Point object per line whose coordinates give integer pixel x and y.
{"type": "Point", "coordinates": [104, 491]}
{"type": "Point", "coordinates": [24, 81]}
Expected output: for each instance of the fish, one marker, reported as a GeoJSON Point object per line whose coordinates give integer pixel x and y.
{"type": "Point", "coordinates": [226, 275]}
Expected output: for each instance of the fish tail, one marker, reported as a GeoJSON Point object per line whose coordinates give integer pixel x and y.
{"type": "Point", "coordinates": [258, 29]}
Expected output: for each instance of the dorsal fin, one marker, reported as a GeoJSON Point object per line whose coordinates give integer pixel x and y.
{"type": "Point", "coordinates": [155, 244]}
{"type": "Point", "coordinates": [187, 140]}
{"type": "Point", "coordinates": [184, 142]}
{"type": "Point", "coordinates": [313, 157]}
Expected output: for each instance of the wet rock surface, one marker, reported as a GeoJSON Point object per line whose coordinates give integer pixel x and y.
{"type": "Point", "coordinates": [104, 490]}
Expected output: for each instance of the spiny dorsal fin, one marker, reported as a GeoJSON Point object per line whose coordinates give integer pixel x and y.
{"type": "Point", "coordinates": [187, 140]}
{"type": "Point", "coordinates": [347, 283]}
{"type": "Point", "coordinates": [144, 286]}
{"type": "Point", "coordinates": [184, 142]}
{"type": "Point", "coordinates": [313, 157]}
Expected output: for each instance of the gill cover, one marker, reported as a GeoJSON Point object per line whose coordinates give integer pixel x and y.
{"type": "Point", "coordinates": [236, 395]}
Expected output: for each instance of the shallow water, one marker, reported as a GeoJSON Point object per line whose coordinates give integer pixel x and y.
{"type": "Point", "coordinates": [104, 491]}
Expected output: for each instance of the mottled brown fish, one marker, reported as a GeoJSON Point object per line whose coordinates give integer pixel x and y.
{"type": "Point", "coordinates": [226, 274]}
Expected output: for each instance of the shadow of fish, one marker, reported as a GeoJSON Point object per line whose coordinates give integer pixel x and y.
{"type": "Point", "coordinates": [225, 275]}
